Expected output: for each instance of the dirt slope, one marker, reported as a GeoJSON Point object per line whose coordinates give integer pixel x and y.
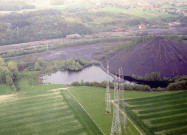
{"type": "Point", "coordinates": [155, 55]}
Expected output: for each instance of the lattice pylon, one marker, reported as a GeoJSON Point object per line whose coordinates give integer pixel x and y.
{"type": "Point", "coordinates": [122, 98]}
{"type": "Point", "coordinates": [107, 94]}
{"type": "Point", "coordinates": [116, 124]}
{"type": "Point", "coordinates": [122, 103]}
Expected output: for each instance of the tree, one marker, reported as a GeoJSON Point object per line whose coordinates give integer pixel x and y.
{"type": "Point", "coordinates": [36, 66]}
{"type": "Point", "coordinates": [12, 66]}
{"type": "Point", "coordinates": [2, 63]}
{"type": "Point", "coordinates": [40, 61]}
{"type": "Point", "coordinates": [9, 80]}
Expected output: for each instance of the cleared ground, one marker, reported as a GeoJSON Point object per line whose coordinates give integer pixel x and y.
{"type": "Point", "coordinates": [44, 112]}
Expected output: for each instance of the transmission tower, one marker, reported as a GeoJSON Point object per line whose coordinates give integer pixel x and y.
{"type": "Point", "coordinates": [118, 100]}
{"type": "Point", "coordinates": [122, 98]}
{"type": "Point", "coordinates": [116, 124]}
{"type": "Point", "coordinates": [107, 94]}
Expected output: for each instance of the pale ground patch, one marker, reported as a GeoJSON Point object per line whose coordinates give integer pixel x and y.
{"type": "Point", "coordinates": [6, 97]}
{"type": "Point", "coordinates": [58, 89]}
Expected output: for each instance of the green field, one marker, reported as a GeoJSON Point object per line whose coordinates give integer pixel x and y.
{"type": "Point", "coordinates": [44, 112]}
{"type": "Point", "coordinates": [164, 114]}
{"type": "Point", "coordinates": [52, 109]}
{"type": "Point", "coordinates": [139, 12]}
{"type": "Point", "coordinates": [93, 101]}
{"type": "Point", "coordinates": [4, 89]}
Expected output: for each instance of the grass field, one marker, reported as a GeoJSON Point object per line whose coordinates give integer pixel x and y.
{"type": "Point", "coordinates": [164, 114]}
{"type": "Point", "coordinates": [52, 110]}
{"type": "Point", "coordinates": [4, 89]}
{"type": "Point", "coordinates": [93, 101]}
{"type": "Point", "coordinates": [139, 12]}
{"type": "Point", "coordinates": [44, 112]}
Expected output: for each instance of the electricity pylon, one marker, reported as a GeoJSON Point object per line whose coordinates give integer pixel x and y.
{"type": "Point", "coordinates": [122, 98]}
{"type": "Point", "coordinates": [107, 94]}
{"type": "Point", "coordinates": [116, 124]}
{"type": "Point", "coordinates": [118, 100]}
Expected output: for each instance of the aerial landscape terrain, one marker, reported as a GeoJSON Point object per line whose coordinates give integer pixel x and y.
{"type": "Point", "coordinates": [93, 67]}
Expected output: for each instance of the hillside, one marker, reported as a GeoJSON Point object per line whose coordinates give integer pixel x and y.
{"type": "Point", "coordinates": [158, 54]}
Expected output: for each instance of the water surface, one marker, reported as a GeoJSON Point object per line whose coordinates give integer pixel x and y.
{"type": "Point", "coordinates": [90, 74]}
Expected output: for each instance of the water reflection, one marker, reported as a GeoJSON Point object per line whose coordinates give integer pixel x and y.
{"type": "Point", "coordinates": [90, 74]}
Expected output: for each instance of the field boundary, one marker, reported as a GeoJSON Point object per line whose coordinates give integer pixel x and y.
{"type": "Point", "coordinates": [129, 120]}
{"type": "Point", "coordinates": [85, 111]}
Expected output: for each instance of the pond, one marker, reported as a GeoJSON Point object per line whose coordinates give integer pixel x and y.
{"type": "Point", "coordinates": [90, 74]}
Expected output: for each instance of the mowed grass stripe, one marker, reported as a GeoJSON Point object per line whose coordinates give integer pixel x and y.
{"type": "Point", "coordinates": [156, 105]}
{"type": "Point", "coordinates": [167, 123]}
{"type": "Point", "coordinates": [163, 114]}
{"type": "Point", "coordinates": [18, 110]}
{"type": "Point", "coordinates": [178, 131]}
{"type": "Point", "coordinates": [171, 125]}
{"type": "Point", "coordinates": [53, 116]}
{"type": "Point", "coordinates": [61, 126]}
{"type": "Point", "coordinates": [160, 114]}
{"type": "Point", "coordinates": [33, 107]}
{"type": "Point", "coordinates": [18, 101]}
{"type": "Point", "coordinates": [162, 108]}
{"type": "Point", "coordinates": [36, 113]}
{"type": "Point", "coordinates": [46, 128]}
{"type": "Point", "coordinates": [78, 131]}
{"type": "Point", "coordinates": [168, 97]}
{"type": "Point", "coordinates": [56, 114]}
{"type": "Point", "coordinates": [32, 101]}
{"type": "Point", "coordinates": [46, 94]}
{"type": "Point", "coordinates": [36, 123]}
{"type": "Point", "coordinates": [165, 120]}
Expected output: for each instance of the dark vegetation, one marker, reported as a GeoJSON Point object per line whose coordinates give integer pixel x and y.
{"type": "Point", "coordinates": [72, 64]}
{"type": "Point", "coordinates": [137, 87]}
{"type": "Point", "coordinates": [9, 73]}
{"type": "Point", "coordinates": [50, 24]}
{"type": "Point", "coordinates": [171, 84]}
{"type": "Point", "coordinates": [33, 26]}
{"type": "Point", "coordinates": [179, 83]}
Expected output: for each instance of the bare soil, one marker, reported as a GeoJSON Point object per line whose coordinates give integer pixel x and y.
{"type": "Point", "coordinates": [86, 52]}
{"type": "Point", "coordinates": [159, 54]}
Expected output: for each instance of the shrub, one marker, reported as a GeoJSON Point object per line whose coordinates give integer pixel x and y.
{"type": "Point", "coordinates": [75, 84]}
{"type": "Point", "coordinates": [180, 85]}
